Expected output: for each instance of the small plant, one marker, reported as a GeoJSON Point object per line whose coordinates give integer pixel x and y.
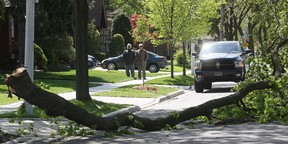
{"type": "Point", "coordinates": [168, 128]}
{"type": "Point", "coordinates": [175, 115]}
{"type": "Point", "coordinates": [20, 132]}
{"type": "Point", "coordinates": [52, 134]}
{"type": "Point", "coordinates": [11, 120]}
{"type": "Point", "coordinates": [71, 129]}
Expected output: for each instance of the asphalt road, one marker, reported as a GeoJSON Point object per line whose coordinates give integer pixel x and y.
{"type": "Point", "coordinates": [188, 133]}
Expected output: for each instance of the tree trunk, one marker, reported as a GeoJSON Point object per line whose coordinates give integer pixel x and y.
{"type": "Point", "coordinates": [184, 58]}
{"type": "Point", "coordinates": [80, 35]}
{"type": "Point", "coordinates": [54, 105]}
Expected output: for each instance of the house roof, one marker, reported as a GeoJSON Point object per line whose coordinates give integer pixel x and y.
{"type": "Point", "coordinates": [98, 13]}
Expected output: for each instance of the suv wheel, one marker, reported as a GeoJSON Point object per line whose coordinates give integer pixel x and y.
{"type": "Point", "coordinates": [199, 88]}
{"type": "Point", "coordinates": [153, 68]}
{"type": "Point", "coordinates": [208, 85]}
{"type": "Point", "coordinates": [111, 66]}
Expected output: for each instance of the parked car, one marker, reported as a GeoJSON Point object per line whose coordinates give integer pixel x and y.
{"type": "Point", "coordinates": [219, 61]}
{"type": "Point", "coordinates": [92, 61]}
{"type": "Point", "coordinates": [154, 62]}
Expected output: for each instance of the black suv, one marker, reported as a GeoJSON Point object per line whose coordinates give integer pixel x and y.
{"type": "Point", "coordinates": [219, 61]}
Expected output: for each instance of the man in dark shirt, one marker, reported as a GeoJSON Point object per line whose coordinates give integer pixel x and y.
{"type": "Point", "coordinates": [129, 59]}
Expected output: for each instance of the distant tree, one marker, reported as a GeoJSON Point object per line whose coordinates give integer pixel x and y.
{"type": "Point", "coordinates": [129, 7]}
{"type": "Point", "coordinates": [93, 40]}
{"type": "Point", "coordinates": [179, 20]}
{"type": "Point", "coordinates": [117, 45]}
{"type": "Point", "coordinates": [121, 25]}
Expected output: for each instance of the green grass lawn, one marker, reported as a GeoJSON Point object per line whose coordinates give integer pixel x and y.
{"type": "Point", "coordinates": [4, 94]}
{"type": "Point", "coordinates": [187, 80]}
{"type": "Point", "coordinates": [59, 86]}
{"type": "Point", "coordinates": [94, 107]}
{"type": "Point", "coordinates": [129, 91]}
{"type": "Point", "coordinates": [177, 67]}
{"type": "Point", "coordinates": [55, 86]}
{"type": "Point", "coordinates": [94, 75]}
{"type": "Point", "coordinates": [4, 99]}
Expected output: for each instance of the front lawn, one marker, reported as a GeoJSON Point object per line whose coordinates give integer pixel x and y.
{"type": "Point", "coordinates": [4, 94]}
{"type": "Point", "coordinates": [177, 67]}
{"type": "Point", "coordinates": [59, 86]}
{"type": "Point", "coordinates": [187, 80]}
{"type": "Point", "coordinates": [54, 86]}
{"type": "Point", "coordinates": [129, 91]}
{"type": "Point", "coordinates": [112, 76]}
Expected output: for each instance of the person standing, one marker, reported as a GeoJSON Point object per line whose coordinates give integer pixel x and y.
{"type": "Point", "coordinates": [141, 57]}
{"type": "Point", "coordinates": [129, 59]}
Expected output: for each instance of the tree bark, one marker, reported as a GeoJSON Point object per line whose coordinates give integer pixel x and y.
{"type": "Point", "coordinates": [80, 35]}
{"type": "Point", "coordinates": [184, 58]}
{"type": "Point", "coordinates": [21, 85]}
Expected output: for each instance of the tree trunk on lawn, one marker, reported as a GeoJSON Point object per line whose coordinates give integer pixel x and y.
{"type": "Point", "coordinates": [184, 58]}
{"type": "Point", "coordinates": [80, 35]}
{"type": "Point", "coordinates": [54, 105]}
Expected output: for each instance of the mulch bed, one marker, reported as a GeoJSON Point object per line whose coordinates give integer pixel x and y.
{"type": "Point", "coordinates": [149, 88]}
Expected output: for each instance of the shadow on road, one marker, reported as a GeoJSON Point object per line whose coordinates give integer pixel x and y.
{"type": "Point", "coordinates": [219, 90]}
{"type": "Point", "coordinates": [221, 87]}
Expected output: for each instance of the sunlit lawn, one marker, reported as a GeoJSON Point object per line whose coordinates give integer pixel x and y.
{"type": "Point", "coordinates": [113, 76]}
{"type": "Point", "coordinates": [177, 67]}
{"type": "Point", "coordinates": [129, 91]}
{"type": "Point", "coordinates": [59, 86]}
{"type": "Point", "coordinates": [177, 80]}
{"type": "Point", "coordinates": [4, 99]}
{"type": "Point", "coordinates": [55, 86]}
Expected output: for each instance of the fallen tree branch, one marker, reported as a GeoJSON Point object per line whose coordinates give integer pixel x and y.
{"type": "Point", "coordinates": [21, 85]}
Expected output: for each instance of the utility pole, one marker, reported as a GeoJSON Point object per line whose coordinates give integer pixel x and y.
{"type": "Point", "coordinates": [29, 45]}
{"type": "Point", "coordinates": [192, 58]}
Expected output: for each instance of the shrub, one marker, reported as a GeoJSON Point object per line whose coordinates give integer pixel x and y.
{"type": "Point", "coordinates": [117, 45]}
{"type": "Point", "coordinates": [93, 40]}
{"type": "Point", "coordinates": [100, 56]}
{"type": "Point", "coordinates": [178, 56]}
{"type": "Point", "coordinates": [121, 25]}
{"type": "Point", "coordinates": [40, 59]}
{"type": "Point", "coordinates": [59, 50]}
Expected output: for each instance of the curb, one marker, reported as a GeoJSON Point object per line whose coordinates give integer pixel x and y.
{"type": "Point", "coordinates": [132, 109]}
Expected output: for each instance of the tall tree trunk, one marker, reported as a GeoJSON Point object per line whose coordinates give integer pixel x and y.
{"type": "Point", "coordinates": [171, 39]}
{"type": "Point", "coordinates": [184, 58]}
{"type": "Point", "coordinates": [80, 35]}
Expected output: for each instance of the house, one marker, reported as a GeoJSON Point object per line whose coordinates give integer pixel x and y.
{"type": "Point", "coordinates": [7, 43]}
{"type": "Point", "coordinates": [98, 14]}
{"type": "Point", "coordinates": [12, 34]}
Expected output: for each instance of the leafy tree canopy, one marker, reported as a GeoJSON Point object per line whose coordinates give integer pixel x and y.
{"type": "Point", "coordinates": [178, 20]}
